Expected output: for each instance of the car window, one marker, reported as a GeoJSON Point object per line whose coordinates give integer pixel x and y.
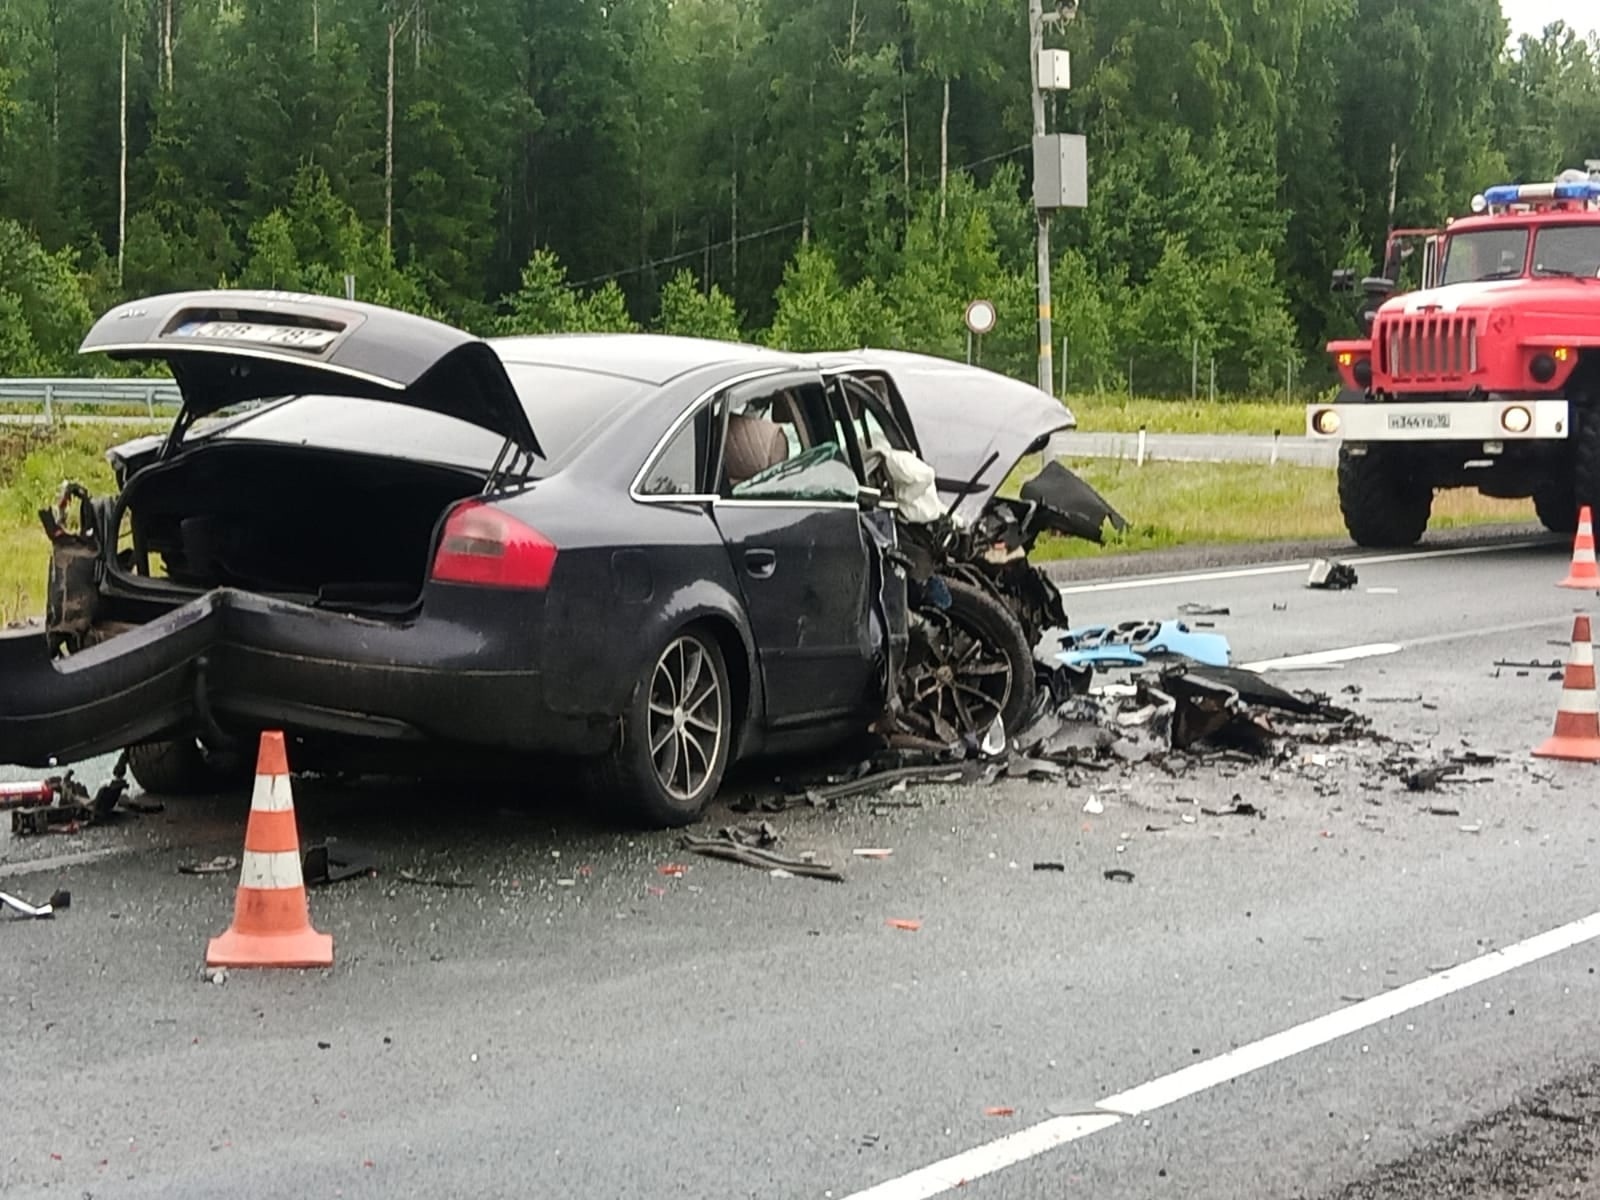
{"type": "Point", "coordinates": [564, 404]}
{"type": "Point", "coordinates": [1568, 250]}
{"type": "Point", "coordinates": [1485, 254]}
{"type": "Point", "coordinates": [778, 445]}
{"type": "Point", "coordinates": [680, 468]}
{"type": "Point", "coordinates": [875, 428]}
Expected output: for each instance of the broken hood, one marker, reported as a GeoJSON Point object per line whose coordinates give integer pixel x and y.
{"type": "Point", "coordinates": [971, 425]}
{"type": "Point", "coordinates": [227, 347]}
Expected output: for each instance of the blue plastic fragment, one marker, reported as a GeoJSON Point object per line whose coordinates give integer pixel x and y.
{"type": "Point", "coordinates": [1133, 642]}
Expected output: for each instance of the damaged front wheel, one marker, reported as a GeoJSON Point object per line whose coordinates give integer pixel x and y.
{"type": "Point", "coordinates": [969, 662]}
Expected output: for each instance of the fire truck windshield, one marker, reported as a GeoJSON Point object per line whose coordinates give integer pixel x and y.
{"type": "Point", "coordinates": [1568, 250]}
{"type": "Point", "coordinates": [1485, 254]}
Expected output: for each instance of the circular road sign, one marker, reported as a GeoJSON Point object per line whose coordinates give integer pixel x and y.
{"type": "Point", "coordinates": [980, 316]}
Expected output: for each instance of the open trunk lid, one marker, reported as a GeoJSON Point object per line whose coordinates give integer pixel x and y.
{"type": "Point", "coordinates": [227, 347]}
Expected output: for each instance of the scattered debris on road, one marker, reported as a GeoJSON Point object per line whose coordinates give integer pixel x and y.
{"type": "Point", "coordinates": [1204, 610]}
{"type": "Point", "coordinates": [1134, 643]}
{"type": "Point", "coordinates": [751, 847]}
{"type": "Point", "coordinates": [1118, 875]}
{"type": "Point", "coordinates": [903, 923]}
{"type": "Point", "coordinates": [49, 908]}
{"type": "Point", "coordinates": [437, 881]}
{"type": "Point", "coordinates": [220, 865]}
{"type": "Point", "coordinates": [333, 861]}
{"type": "Point", "coordinates": [1330, 575]}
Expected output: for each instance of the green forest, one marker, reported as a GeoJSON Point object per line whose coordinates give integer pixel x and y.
{"type": "Point", "coordinates": [804, 173]}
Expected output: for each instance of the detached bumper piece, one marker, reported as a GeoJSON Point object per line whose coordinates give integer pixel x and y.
{"type": "Point", "coordinates": [257, 662]}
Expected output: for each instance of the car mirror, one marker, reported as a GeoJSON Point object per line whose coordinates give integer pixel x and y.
{"type": "Point", "coordinates": [869, 498]}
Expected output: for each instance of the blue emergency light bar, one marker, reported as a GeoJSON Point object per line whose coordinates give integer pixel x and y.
{"type": "Point", "coordinates": [1524, 193]}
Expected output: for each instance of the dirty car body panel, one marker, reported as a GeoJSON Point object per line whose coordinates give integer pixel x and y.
{"type": "Point", "coordinates": [410, 535]}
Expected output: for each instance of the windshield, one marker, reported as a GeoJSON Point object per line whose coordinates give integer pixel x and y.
{"type": "Point", "coordinates": [1568, 250]}
{"type": "Point", "coordinates": [1487, 254]}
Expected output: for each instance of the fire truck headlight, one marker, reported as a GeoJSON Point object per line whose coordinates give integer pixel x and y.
{"type": "Point", "coordinates": [1542, 368]}
{"type": "Point", "coordinates": [1363, 372]}
{"type": "Point", "coordinates": [1516, 419]}
{"type": "Point", "coordinates": [1326, 422]}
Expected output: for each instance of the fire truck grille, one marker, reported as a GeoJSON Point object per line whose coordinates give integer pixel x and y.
{"type": "Point", "coordinates": [1428, 348]}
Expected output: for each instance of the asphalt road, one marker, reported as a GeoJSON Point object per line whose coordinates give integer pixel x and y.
{"type": "Point", "coordinates": [578, 1023]}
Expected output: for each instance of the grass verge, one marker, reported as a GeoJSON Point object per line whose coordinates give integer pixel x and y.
{"type": "Point", "coordinates": [1174, 504]}
{"type": "Point", "coordinates": [34, 461]}
{"type": "Point", "coordinates": [1118, 414]}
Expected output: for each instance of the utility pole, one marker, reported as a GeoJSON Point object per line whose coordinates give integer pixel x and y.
{"type": "Point", "coordinates": [1046, 338]}
{"type": "Point", "coordinates": [1060, 164]}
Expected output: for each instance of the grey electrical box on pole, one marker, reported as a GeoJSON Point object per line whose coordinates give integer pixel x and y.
{"type": "Point", "coordinates": [1060, 168]}
{"type": "Point", "coordinates": [1060, 171]}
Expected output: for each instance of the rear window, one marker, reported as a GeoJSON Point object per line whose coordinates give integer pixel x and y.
{"type": "Point", "coordinates": [564, 404]}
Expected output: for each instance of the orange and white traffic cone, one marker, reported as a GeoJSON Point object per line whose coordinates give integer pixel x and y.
{"type": "Point", "coordinates": [1584, 573]}
{"type": "Point", "coordinates": [272, 918]}
{"type": "Point", "coordinates": [1577, 735]}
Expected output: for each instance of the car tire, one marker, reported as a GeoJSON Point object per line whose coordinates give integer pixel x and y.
{"type": "Point", "coordinates": [969, 704]}
{"type": "Point", "coordinates": [669, 757]}
{"type": "Point", "coordinates": [1383, 503]}
{"type": "Point", "coordinates": [180, 768]}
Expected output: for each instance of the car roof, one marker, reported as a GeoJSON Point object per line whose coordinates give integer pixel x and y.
{"type": "Point", "coordinates": [652, 358]}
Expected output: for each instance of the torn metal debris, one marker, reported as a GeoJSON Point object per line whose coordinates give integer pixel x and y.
{"type": "Point", "coordinates": [751, 848]}
{"type": "Point", "coordinates": [1330, 575]}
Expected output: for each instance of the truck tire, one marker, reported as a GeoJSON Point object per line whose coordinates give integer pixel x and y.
{"type": "Point", "coordinates": [1557, 507]}
{"type": "Point", "coordinates": [1585, 459]}
{"type": "Point", "coordinates": [1383, 503]}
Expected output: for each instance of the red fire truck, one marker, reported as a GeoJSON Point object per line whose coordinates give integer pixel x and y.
{"type": "Point", "coordinates": [1486, 376]}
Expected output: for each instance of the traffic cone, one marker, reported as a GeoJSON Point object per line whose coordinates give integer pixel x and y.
{"type": "Point", "coordinates": [1584, 573]}
{"type": "Point", "coordinates": [271, 917]}
{"type": "Point", "coordinates": [1577, 735]}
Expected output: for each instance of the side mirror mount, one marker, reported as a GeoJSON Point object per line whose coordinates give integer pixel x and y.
{"type": "Point", "coordinates": [869, 499]}
{"type": "Point", "coordinates": [1344, 280]}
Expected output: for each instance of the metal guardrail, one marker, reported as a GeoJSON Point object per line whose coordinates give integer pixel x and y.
{"type": "Point", "coordinates": [51, 395]}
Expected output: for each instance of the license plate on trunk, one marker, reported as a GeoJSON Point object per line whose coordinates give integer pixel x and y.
{"type": "Point", "coordinates": [1409, 421]}
{"type": "Point", "coordinates": [293, 337]}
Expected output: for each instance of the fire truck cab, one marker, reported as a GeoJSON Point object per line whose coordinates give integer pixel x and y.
{"type": "Point", "coordinates": [1486, 376]}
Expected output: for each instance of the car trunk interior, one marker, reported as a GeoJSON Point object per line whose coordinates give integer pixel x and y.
{"type": "Point", "coordinates": [336, 530]}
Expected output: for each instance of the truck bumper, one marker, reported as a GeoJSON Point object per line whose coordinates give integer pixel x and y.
{"type": "Point", "coordinates": [1493, 420]}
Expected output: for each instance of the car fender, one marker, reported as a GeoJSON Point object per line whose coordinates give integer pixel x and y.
{"type": "Point", "coordinates": [593, 663]}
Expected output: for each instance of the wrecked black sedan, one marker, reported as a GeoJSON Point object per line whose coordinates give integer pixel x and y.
{"type": "Point", "coordinates": [387, 537]}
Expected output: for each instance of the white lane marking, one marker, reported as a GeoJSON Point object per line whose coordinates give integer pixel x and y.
{"type": "Point", "coordinates": [951, 1173]}
{"type": "Point", "coordinates": [1329, 658]}
{"type": "Point", "coordinates": [954, 1172]}
{"type": "Point", "coordinates": [1325, 658]}
{"type": "Point", "coordinates": [1154, 581]}
{"type": "Point", "coordinates": [60, 861]}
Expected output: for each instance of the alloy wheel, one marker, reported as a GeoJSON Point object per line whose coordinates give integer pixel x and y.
{"type": "Point", "coordinates": [959, 684]}
{"type": "Point", "coordinates": [686, 718]}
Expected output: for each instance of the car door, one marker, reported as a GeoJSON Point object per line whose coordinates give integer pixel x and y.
{"type": "Point", "coordinates": [788, 511]}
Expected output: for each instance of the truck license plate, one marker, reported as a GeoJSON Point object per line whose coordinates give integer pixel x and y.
{"type": "Point", "coordinates": [1419, 420]}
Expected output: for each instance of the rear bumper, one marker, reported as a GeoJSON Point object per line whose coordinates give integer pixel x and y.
{"type": "Point", "coordinates": [240, 661]}
{"type": "Point", "coordinates": [1490, 420]}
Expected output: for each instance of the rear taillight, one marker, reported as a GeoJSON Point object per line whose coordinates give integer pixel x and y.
{"type": "Point", "coordinates": [484, 546]}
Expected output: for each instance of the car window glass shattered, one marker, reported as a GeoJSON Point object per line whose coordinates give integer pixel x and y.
{"type": "Point", "coordinates": [820, 473]}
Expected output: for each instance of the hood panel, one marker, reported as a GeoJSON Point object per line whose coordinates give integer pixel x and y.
{"type": "Point", "coordinates": [227, 347]}
{"type": "Point", "coordinates": [962, 415]}
{"type": "Point", "coordinates": [1543, 295]}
